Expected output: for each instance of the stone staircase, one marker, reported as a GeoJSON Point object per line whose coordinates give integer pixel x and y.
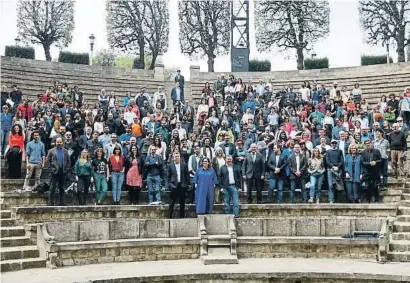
{"type": "Point", "coordinates": [218, 239]}
{"type": "Point", "coordinates": [399, 242]}
{"type": "Point", "coordinates": [18, 251]}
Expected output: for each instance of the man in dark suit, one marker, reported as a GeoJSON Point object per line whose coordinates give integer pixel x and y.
{"type": "Point", "coordinates": [253, 169]}
{"type": "Point", "coordinates": [276, 166]}
{"type": "Point", "coordinates": [228, 147]}
{"type": "Point", "coordinates": [178, 180]}
{"type": "Point", "coordinates": [181, 80]}
{"type": "Point", "coordinates": [297, 163]}
{"type": "Point", "coordinates": [230, 181]}
{"type": "Point", "coordinates": [67, 110]}
{"type": "Point", "coordinates": [58, 164]}
{"type": "Point", "coordinates": [371, 162]}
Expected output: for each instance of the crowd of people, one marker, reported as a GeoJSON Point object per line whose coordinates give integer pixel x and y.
{"type": "Point", "coordinates": [306, 139]}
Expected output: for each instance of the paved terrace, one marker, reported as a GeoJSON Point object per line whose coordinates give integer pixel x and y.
{"type": "Point", "coordinates": [257, 270]}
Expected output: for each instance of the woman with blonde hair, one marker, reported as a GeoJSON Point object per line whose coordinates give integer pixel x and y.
{"type": "Point", "coordinates": [316, 171]}
{"type": "Point", "coordinates": [217, 162]}
{"type": "Point", "coordinates": [82, 170]}
{"type": "Point", "coordinates": [56, 129]}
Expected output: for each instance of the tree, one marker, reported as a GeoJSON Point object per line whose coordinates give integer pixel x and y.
{"type": "Point", "coordinates": [105, 57]}
{"type": "Point", "coordinates": [383, 21]}
{"type": "Point", "coordinates": [204, 28]}
{"type": "Point", "coordinates": [46, 23]}
{"type": "Point", "coordinates": [291, 25]}
{"type": "Point", "coordinates": [138, 27]}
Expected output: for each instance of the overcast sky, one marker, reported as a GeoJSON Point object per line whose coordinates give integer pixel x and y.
{"type": "Point", "coordinates": [343, 46]}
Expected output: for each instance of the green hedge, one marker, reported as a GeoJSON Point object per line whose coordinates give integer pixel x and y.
{"type": "Point", "coordinates": [374, 60]}
{"type": "Point", "coordinates": [136, 64]}
{"type": "Point", "coordinates": [74, 58]}
{"type": "Point", "coordinates": [256, 65]}
{"type": "Point", "coordinates": [319, 63]}
{"type": "Point", "coordinates": [21, 52]}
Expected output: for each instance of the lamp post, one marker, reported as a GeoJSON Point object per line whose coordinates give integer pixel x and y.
{"type": "Point", "coordinates": [314, 55]}
{"type": "Point", "coordinates": [92, 39]}
{"type": "Point", "coordinates": [17, 41]}
{"type": "Point", "coordinates": [388, 52]}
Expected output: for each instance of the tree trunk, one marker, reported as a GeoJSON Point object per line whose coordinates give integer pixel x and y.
{"type": "Point", "coordinates": [211, 61]}
{"type": "Point", "coordinates": [300, 58]}
{"type": "Point", "coordinates": [141, 64]}
{"type": "Point", "coordinates": [401, 55]}
{"type": "Point", "coordinates": [47, 51]}
{"type": "Point", "coordinates": [153, 60]}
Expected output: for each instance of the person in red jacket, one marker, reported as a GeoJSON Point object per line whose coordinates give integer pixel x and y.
{"type": "Point", "coordinates": [26, 110]}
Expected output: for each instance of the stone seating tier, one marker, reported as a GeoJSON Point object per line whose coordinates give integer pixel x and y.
{"type": "Point", "coordinates": [121, 240]}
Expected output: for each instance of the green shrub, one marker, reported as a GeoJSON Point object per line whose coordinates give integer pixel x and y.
{"type": "Point", "coordinates": [316, 63]}
{"type": "Point", "coordinates": [136, 64]}
{"type": "Point", "coordinates": [374, 60]}
{"type": "Point", "coordinates": [256, 65]}
{"type": "Point", "coordinates": [21, 52]}
{"type": "Point", "coordinates": [74, 58]}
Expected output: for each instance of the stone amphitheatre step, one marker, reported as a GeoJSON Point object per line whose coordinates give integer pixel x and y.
{"type": "Point", "coordinates": [398, 256]}
{"type": "Point", "coordinates": [7, 222]}
{"type": "Point", "coordinates": [405, 196]}
{"type": "Point", "coordinates": [13, 231]}
{"type": "Point", "coordinates": [403, 210]}
{"type": "Point", "coordinates": [20, 264]}
{"type": "Point", "coordinates": [403, 218]}
{"type": "Point", "coordinates": [401, 226]}
{"type": "Point", "coordinates": [400, 236]}
{"type": "Point", "coordinates": [405, 202]}
{"type": "Point", "coordinates": [399, 246]}
{"type": "Point", "coordinates": [219, 255]}
{"type": "Point", "coordinates": [14, 241]}
{"type": "Point", "coordinates": [19, 252]}
{"type": "Point", "coordinates": [5, 214]}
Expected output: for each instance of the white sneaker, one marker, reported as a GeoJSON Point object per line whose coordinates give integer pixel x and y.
{"type": "Point", "coordinates": [28, 189]}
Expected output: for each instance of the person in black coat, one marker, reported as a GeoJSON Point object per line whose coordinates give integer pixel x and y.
{"type": "Point", "coordinates": [371, 161]}
{"type": "Point", "coordinates": [277, 163]}
{"type": "Point", "coordinates": [253, 169]}
{"type": "Point", "coordinates": [230, 181]}
{"type": "Point", "coordinates": [178, 180]}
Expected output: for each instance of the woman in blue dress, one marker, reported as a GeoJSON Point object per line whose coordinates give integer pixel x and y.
{"type": "Point", "coordinates": [206, 179]}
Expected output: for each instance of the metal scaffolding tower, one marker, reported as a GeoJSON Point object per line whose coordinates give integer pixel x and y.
{"type": "Point", "coordinates": [240, 35]}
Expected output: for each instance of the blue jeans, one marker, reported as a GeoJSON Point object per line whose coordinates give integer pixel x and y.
{"type": "Point", "coordinates": [231, 193]}
{"type": "Point", "coordinates": [273, 181]}
{"type": "Point", "coordinates": [297, 182]}
{"type": "Point", "coordinates": [117, 179]}
{"type": "Point", "coordinates": [4, 140]}
{"type": "Point", "coordinates": [353, 190]}
{"type": "Point", "coordinates": [330, 184]}
{"type": "Point", "coordinates": [315, 185]}
{"type": "Point", "coordinates": [153, 183]}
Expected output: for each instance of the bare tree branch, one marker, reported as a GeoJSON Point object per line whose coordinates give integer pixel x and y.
{"type": "Point", "coordinates": [46, 23]}
{"type": "Point", "coordinates": [290, 25]}
{"type": "Point", "coordinates": [384, 21]}
{"type": "Point", "coordinates": [204, 29]}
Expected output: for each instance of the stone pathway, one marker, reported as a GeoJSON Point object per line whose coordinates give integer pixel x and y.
{"type": "Point", "coordinates": [396, 271]}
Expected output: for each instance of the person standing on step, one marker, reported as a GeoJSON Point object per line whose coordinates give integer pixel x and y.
{"type": "Point", "coordinates": [277, 166]}
{"type": "Point", "coordinates": [383, 146]}
{"type": "Point", "coordinates": [205, 179]}
{"type": "Point", "coordinates": [134, 166]}
{"type": "Point", "coordinates": [230, 181]}
{"type": "Point", "coordinates": [58, 164]}
{"type": "Point", "coordinates": [153, 166]}
{"type": "Point", "coordinates": [253, 170]}
{"type": "Point", "coordinates": [117, 168]}
{"type": "Point", "coordinates": [181, 82]}
{"type": "Point", "coordinates": [194, 163]}
{"type": "Point", "coordinates": [100, 175]}
{"type": "Point", "coordinates": [298, 170]}
{"type": "Point", "coordinates": [15, 151]}
{"type": "Point", "coordinates": [35, 160]}
{"type": "Point", "coordinates": [353, 169]}
{"type": "Point", "coordinates": [335, 165]}
{"type": "Point", "coordinates": [178, 180]}
{"type": "Point", "coordinates": [371, 161]}
{"type": "Point", "coordinates": [398, 145]}
{"type": "Point", "coordinates": [6, 122]}
{"type": "Point", "coordinates": [83, 170]}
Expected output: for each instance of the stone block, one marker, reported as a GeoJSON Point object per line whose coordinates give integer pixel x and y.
{"type": "Point", "coordinates": [154, 228]}
{"type": "Point", "coordinates": [106, 259]}
{"type": "Point", "coordinates": [67, 262]}
{"type": "Point", "coordinates": [94, 230]}
{"type": "Point", "coordinates": [278, 227]}
{"type": "Point", "coordinates": [336, 226]}
{"type": "Point", "coordinates": [64, 231]}
{"type": "Point", "coordinates": [112, 252]}
{"type": "Point", "coordinates": [217, 224]}
{"type": "Point", "coordinates": [124, 229]}
{"type": "Point", "coordinates": [368, 224]}
{"type": "Point", "coordinates": [183, 228]}
{"type": "Point", "coordinates": [135, 251]}
{"type": "Point", "coordinates": [85, 261]}
{"type": "Point", "coordinates": [307, 227]}
{"type": "Point", "coordinates": [124, 258]}
{"type": "Point", "coordinates": [249, 226]}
